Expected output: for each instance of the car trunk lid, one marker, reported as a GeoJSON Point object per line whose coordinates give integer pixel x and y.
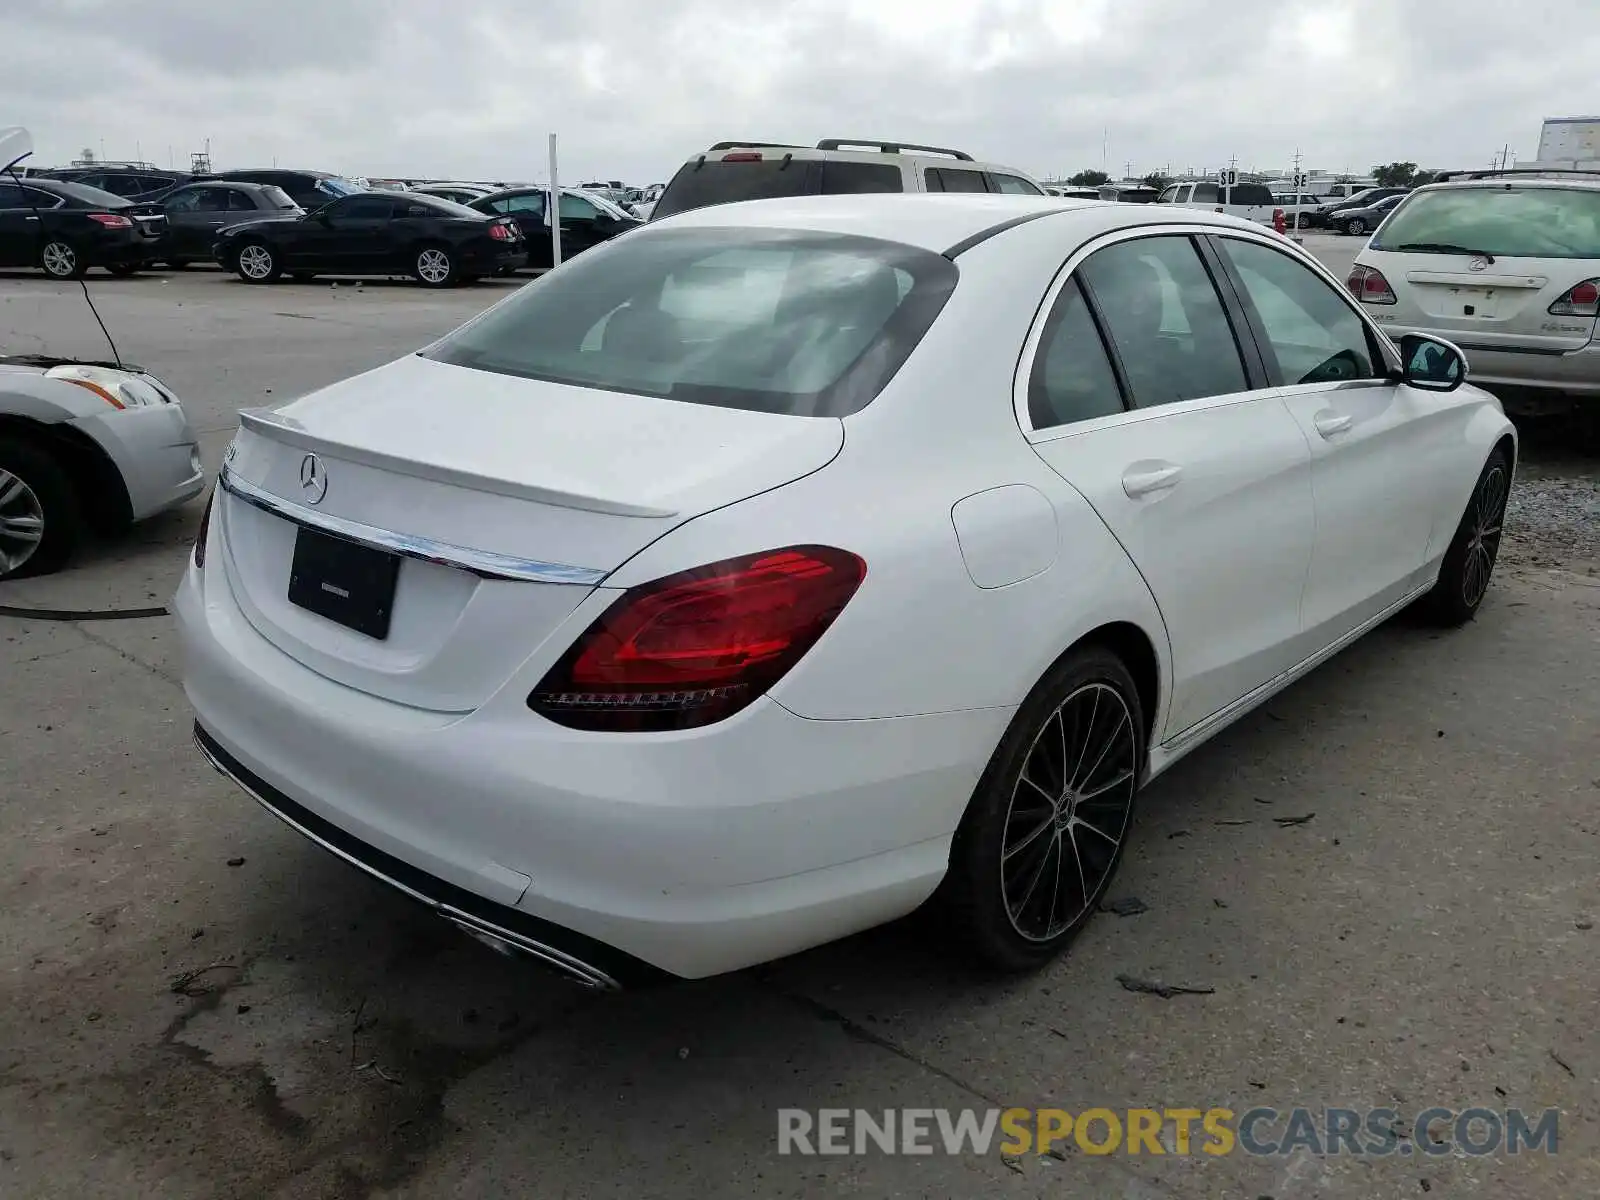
{"type": "Point", "coordinates": [1503, 302]}
{"type": "Point", "coordinates": [496, 504]}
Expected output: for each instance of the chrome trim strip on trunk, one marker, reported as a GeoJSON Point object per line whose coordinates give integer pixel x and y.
{"type": "Point", "coordinates": [566, 964]}
{"type": "Point", "coordinates": [484, 563]}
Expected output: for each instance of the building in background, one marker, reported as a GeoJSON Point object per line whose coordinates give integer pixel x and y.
{"type": "Point", "coordinates": [1571, 142]}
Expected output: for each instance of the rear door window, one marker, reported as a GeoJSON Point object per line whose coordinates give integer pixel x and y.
{"type": "Point", "coordinates": [852, 178]}
{"type": "Point", "coordinates": [1505, 220]}
{"type": "Point", "coordinates": [774, 321]}
{"type": "Point", "coordinates": [954, 179]}
{"type": "Point", "coordinates": [1165, 319]}
{"type": "Point", "coordinates": [213, 199]}
{"type": "Point", "coordinates": [701, 183]}
{"type": "Point", "coordinates": [1205, 193]}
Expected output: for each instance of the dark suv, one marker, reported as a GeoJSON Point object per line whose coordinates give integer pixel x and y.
{"type": "Point", "coordinates": [309, 189]}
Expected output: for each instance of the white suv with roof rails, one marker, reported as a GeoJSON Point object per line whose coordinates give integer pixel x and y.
{"type": "Point", "coordinates": [1507, 265]}
{"type": "Point", "coordinates": [733, 171]}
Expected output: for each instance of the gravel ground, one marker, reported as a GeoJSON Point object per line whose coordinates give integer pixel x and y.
{"type": "Point", "coordinates": [1553, 517]}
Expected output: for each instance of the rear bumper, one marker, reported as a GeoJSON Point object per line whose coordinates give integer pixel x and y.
{"type": "Point", "coordinates": [1573, 371]}
{"type": "Point", "coordinates": [481, 261]}
{"type": "Point", "coordinates": [692, 853]}
{"type": "Point", "coordinates": [579, 958]}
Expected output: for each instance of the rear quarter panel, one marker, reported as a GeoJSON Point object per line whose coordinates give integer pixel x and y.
{"type": "Point", "coordinates": [920, 636]}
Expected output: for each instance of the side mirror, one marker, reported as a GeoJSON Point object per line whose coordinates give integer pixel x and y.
{"type": "Point", "coordinates": [1432, 364]}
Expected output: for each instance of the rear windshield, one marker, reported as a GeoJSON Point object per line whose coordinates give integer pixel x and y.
{"type": "Point", "coordinates": [714, 181]}
{"type": "Point", "coordinates": [1516, 222]}
{"type": "Point", "coordinates": [764, 320]}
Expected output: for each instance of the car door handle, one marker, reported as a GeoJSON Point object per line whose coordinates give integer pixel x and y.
{"type": "Point", "coordinates": [1146, 478]}
{"type": "Point", "coordinates": [30, 218]}
{"type": "Point", "coordinates": [1329, 423]}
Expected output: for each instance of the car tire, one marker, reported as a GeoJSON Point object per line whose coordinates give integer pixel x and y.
{"type": "Point", "coordinates": [60, 260]}
{"type": "Point", "coordinates": [1355, 226]}
{"type": "Point", "coordinates": [434, 265]}
{"type": "Point", "coordinates": [36, 496]}
{"type": "Point", "coordinates": [1469, 562]}
{"type": "Point", "coordinates": [257, 262]}
{"type": "Point", "coordinates": [124, 270]}
{"type": "Point", "coordinates": [1043, 816]}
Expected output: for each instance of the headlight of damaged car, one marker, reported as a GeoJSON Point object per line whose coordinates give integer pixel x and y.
{"type": "Point", "coordinates": [120, 389]}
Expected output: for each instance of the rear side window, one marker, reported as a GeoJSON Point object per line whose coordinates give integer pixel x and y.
{"type": "Point", "coordinates": [277, 197]}
{"type": "Point", "coordinates": [851, 178]}
{"type": "Point", "coordinates": [1072, 378]}
{"type": "Point", "coordinates": [1251, 193]}
{"type": "Point", "coordinates": [1014, 185]}
{"type": "Point", "coordinates": [1205, 193]}
{"type": "Point", "coordinates": [1516, 222]}
{"type": "Point", "coordinates": [952, 179]}
{"type": "Point", "coordinates": [773, 321]}
{"type": "Point", "coordinates": [1165, 319]}
{"type": "Point", "coordinates": [717, 181]}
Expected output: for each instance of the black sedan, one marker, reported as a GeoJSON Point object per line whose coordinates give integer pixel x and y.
{"type": "Point", "coordinates": [1364, 220]}
{"type": "Point", "coordinates": [435, 242]}
{"type": "Point", "coordinates": [197, 210]}
{"type": "Point", "coordinates": [66, 228]}
{"type": "Point", "coordinates": [1328, 216]}
{"type": "Point", "coordinates": [586, 220]}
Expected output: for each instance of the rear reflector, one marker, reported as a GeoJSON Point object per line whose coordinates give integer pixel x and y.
{"type": "Point", "coordinates": [1368, 285]}
{"type": "Point", "coordinates": [696, 647]}
{"type": "Point", "coordinates": [1582, 301]}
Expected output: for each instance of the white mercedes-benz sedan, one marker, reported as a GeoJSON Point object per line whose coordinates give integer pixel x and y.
{"type": "Point", "coordinates": [763, 574]}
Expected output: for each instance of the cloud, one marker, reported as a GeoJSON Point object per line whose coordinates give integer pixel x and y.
{"type": "Point", "coordinates": [470, 89]}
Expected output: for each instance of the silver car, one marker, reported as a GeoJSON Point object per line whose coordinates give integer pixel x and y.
{"type": "Point", "coordinates": [85, 447]}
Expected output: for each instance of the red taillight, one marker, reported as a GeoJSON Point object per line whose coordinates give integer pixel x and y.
{"type": "Point", "coordinates": [1581, 301]}
{"type": "Point", "coordinates": [1368, 285]}
{"type": "Point", "coordinates": [742, 156]}
{"type": "Point", "coordinates": [500, 233]}
{"type": "Point", "coordinates": [204, 531]}
{"type": "Point", "coordinates": [696, 647]}
{"type": "Point", "coordinates": [111, 220]}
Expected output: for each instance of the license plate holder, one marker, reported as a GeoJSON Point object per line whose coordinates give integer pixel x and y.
{"type": "Point", "coordinates": [350, 584]}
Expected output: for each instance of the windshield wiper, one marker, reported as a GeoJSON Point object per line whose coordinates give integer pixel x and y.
{"type": "Point", "coordinates": [1444, 248]}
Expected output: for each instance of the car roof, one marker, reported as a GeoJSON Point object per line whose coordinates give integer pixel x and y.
{"type": "Point", "coordinates": [933, 221]}
{"type": "Point", "coordinates": [1565, 182]}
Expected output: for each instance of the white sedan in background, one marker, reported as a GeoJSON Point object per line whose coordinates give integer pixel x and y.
{"type": "Point", "coordinates": [760, 576]}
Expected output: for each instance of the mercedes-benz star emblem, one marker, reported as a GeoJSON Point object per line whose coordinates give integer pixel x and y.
{"type": "Point", "coordinates": [313, 479]}
{"type": "Point", "coordinates": [1478, 264]}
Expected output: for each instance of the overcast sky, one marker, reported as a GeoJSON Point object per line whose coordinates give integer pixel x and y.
{"type": "Point", "coordinates": [470, 88]}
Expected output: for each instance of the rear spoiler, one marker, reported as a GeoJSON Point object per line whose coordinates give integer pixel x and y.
{"type": "Point", "coordinates": [274, 426]}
